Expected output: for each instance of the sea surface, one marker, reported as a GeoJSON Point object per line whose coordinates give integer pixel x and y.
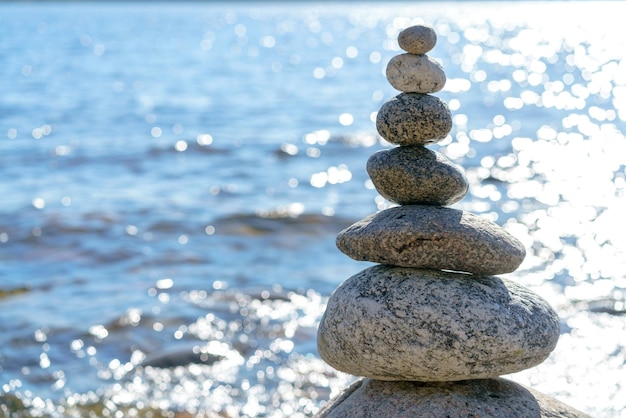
{"type": "Point", "coordinates": [173, 176]}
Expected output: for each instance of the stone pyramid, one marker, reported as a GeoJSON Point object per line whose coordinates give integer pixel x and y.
{"type": "Point", "coordinates": [432, 327]}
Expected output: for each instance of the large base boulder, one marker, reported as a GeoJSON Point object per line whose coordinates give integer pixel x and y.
{"type": "Point", "coordinates": [484, 398]}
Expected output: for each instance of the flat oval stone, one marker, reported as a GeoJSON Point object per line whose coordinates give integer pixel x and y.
{"type": "Point", "coordinates": [471, 398]}
{"type": "Point", "coordinates": [414, 119]}
{"type": "Point", "coordinates": [418, 39]}
{"type": "Point", "coordinates": [432, 237]}
{"type": "Point", "coordinates": [398, 323]}
{"type": "Point", "coordinates": [411, 73]}
{"type": "Point", "coordinates": [416, 175]}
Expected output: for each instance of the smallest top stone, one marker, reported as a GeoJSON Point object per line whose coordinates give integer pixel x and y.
{"type": "Point", "coordinates": [417, 39]}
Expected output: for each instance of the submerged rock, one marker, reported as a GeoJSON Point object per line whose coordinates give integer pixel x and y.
{"type": "Point", "coordinates": [432, 237]}
{"type": "Point", "coordinates": [181, 357]}
{"type": "Point", "coordinates": [485, 398]}
{"type": "Point", "coordinates": [394, 323]}
{"type": "Point", "coordinates": [6, 293]}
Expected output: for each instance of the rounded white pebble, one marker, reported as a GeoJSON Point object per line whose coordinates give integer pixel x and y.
{"type": "Point", "coordinates": [412, 73]}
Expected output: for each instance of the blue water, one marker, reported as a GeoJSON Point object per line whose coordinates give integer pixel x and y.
{"type": "Point", "coordinates": [173, 176]}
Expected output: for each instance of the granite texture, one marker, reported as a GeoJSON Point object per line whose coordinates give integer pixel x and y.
{"type": "Point", "coordinates": [485, 398]}
{"type": "Point", "coordinates": [396, 323]}
{"type": "Point", "coordinates": [414, 119]}
{"type": "Point", "coordinates": [411, 73]}
{"type": "Point", "coordinates": [434, 237]}
{"type": "Point", "coordinates": [416, 175]}
{"type": "Point", "coordinates": [418, 39]}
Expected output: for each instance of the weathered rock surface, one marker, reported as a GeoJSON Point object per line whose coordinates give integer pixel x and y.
{"type": "Point", "coordinates": [416, 175]}
{"type": "Point", "coordinates": [395, 323]}
{"type": "Point", "coordinates": [432, 237]}
{"type": "Point", "coordinates": [485, 398]}
{"type": "Point", "coordinates": [418, 39]}
{"type": "Point", "coordinates": [414, 119]}
{"type": "Point", "coordinates": [411, 73]}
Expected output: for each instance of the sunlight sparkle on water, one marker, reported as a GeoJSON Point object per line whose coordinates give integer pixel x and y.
{"type": "Point", "coordinates": [346, 119]}
{"type": "Point", "coordinates": [333, 175]}
{"type": "Point", "coordinates": [239, 381]}
{"type": "Point", "coordinates": [539, 111]}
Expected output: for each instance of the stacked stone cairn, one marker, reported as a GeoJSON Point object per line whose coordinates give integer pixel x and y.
{"type": "Point", "coordinates": [431, 328]}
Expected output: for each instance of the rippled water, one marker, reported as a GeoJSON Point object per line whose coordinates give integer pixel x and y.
{"type": "Point", "coordinates": [174, 175]}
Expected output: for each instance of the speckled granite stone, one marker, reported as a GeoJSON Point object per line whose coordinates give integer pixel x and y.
{"type": "Point", "coordinates": [418, 39]}
{"type": "Point", "coordinates": [416, 175]}
{"type": "Point", "coordinates": [411, 73]}
{"type": "Point", "coordinates": [414, 119]}
{"type": "Point", "coordinates": [396, 323]}
{"type": "Point", "coordinates": [484, 398]}
{"type": "Point", "coordinates": [432, 237]}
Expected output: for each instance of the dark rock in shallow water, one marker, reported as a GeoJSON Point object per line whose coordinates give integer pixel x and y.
{"type": "Point", "coordinates": [180, 357]}
{"type": "Point", "coordinates": [395, 323]}
{"type": "Point", "coordinates": [432, 237]}
{"type": "Point", "coordinates": [416, 175]}
{"type": "Point", "coordinates": [5, 293]}
{"type": "Point", "coordinates": [486, 398]}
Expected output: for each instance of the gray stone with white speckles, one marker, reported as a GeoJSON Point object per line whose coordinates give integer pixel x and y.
{"type": "Point", "coordinates": [433, 237]}
{"type": "Point", "coordinates": [397, 323]}
{"type": "Point", "coordinates": [416, 175]}
{"type": "Point", "coordinates": [411, 73]}
{"type": "Point", "coordinates": [414, 119]}
{"type": "Point", "coordinates": [418, 39]}
{"type": "Point", "coordinates": [485, 398]}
